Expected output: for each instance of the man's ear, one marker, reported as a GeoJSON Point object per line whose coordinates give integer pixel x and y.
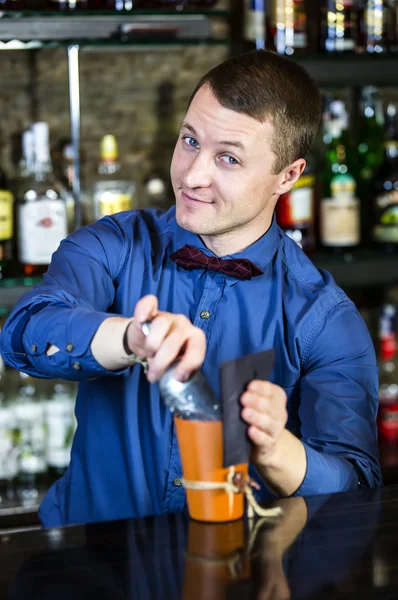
{"type": "Point", "coordinates": [290, 175]}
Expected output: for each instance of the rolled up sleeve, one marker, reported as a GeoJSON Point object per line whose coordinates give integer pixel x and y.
{"type": "Point", "coordinates": [67, 308]}
{"type": "Point", "coordinates": [338, 405]}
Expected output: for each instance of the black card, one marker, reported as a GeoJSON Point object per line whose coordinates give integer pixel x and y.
{"type": "Point", "coordinates": [235, 377]}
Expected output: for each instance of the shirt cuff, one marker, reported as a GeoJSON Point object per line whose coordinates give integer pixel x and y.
{"type": "Point", "coordinates": [72, 331]}
{"type": "Point", "coordinates": [326, 474]}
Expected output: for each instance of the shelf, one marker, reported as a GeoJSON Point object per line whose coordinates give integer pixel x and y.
{"type": "Point", "coordinates": [12, 289]}
{"type": "Point", "coordinates": [362, 268]}
{"type": "Point", "coordinates": [352, 69]}
{"type": "Point", "coordinates": [112, 13]}
{"type": "Point", "coordinates": [46, 30]}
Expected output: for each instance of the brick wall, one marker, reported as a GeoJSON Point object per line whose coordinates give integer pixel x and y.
{"type": "Point", "coordinates": [139, 96]}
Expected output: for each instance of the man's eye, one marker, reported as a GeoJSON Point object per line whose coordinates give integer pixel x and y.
{"type": "Point", "coordinates": [230, 160]}
{"type": "Point", "coordinates": [190, 141]}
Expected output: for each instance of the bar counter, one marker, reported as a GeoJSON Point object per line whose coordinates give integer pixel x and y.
{"type": "Point", "coordinates": [343, 546]}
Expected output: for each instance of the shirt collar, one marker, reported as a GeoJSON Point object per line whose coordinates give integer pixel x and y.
{"type": "Point", "coordinates": [260, 252]}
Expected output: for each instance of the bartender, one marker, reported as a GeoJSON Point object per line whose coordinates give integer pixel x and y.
{"type": "Point", "coordinates": [219, 280]}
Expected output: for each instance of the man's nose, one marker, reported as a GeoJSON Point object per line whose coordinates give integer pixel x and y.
{"type": "Point", "coordinates": [200, 172]}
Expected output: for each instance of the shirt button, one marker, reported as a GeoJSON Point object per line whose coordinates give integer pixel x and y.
{"type": "Point", "coordinates": [33, 348]}
{"type": "Point", "coordinates": [69, 347]}
{"type": "Point", "coordinates": [204, 314]}
{"type": "Point", "coordinates": [76, 366]}
{"type": "Point", "coordinates": [177, 482]}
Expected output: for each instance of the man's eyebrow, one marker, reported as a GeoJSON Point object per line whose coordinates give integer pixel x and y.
{"type": "Point", "coordinates": [220, 143]}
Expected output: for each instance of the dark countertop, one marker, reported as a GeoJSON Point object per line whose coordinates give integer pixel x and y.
{"type": "Point", "coordinates": [337, 547]}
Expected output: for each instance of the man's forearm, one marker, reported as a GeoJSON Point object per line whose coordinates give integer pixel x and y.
{"type": "Point", "coordinates": [107, 344]}
{"type": "Point", "coordinates": [284, 468]}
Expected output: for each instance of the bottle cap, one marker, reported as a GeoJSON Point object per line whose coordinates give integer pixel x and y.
{"type": "Point", "coordinates": [343, 184]}
{"type": "Point", "coordinates": [109, 149]}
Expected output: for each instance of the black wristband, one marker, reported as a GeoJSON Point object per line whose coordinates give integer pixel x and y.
{"type": "Point", "coordinates": [125, 344]}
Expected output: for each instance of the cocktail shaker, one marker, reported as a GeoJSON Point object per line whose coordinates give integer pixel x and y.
{"type": "Point", "coordinates": [193, 399]}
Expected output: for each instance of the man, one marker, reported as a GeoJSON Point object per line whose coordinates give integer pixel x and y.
{"type": "Point", "coordinates": [249, 125]}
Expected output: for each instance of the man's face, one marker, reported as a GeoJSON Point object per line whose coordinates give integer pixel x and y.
{"type": "Point", "coordinates": [221, 171]}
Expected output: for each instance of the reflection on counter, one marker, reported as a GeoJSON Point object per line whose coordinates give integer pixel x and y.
{"type": "Point", "coordinates": [320, 545]}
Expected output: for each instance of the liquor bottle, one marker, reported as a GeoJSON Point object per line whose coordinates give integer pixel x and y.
{"type": "Point", "coordinates": [111, 193]}
{"type": "Point", "coordinates": [377, 26]}
{"type": "Point", "coordinates": [385, 188]}
{"type": "Point", "coordinates": [338, 26]}
{"type": "Point", "coordinates": [8, 437]}
{"type": "Point", "coordinates": [254, 24]}
{"type": "Point", "coordinates": [287, 27]}
{"type": "Point", "coordinates": [370, 150]}
{"type": "Point", "coordinates": [60, 428]}
{"type": "Point", "coordinates": [41, 210]}
{"type": "Point", "coordinates": [6, 226]}
{"type": "Point", "coordinates": [29, 417]}
{"type": "Point", "coordinates": [387, 418]}
{"type": "Point", "coordinates": [339, 207]}
{"type": "Point", "coordinates": [295, 210]}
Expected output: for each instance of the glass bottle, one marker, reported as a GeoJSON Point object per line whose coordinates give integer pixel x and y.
{"type": "Point", "coordinates": [387, 418]}
{"type": "Point", "coordinates": [29, 417]}
{"type": "Point", "coordinates": [339, 26]}
{"type": "Point", "coordinates": [111, 193]}
{"type": "Point", "coordinates": [41, 210]}
{"type": "Point", "coordinates": [295, 210]}
{"type": "Point", "coordinates": [339, 207]}
{"type": "Point", "coordinates": [60, 428]}
{"type": "Point", "coordinates": [254, 24]}
{"type": "Point", "coordinates": [377, 26]}
{"type": "Point", "coordinates": [6, 226]}
{"type": "Point", "coordinates": [385, 188]}
{"type": "Point", "coordinates": [287, 27]}
{"type": "Point", "coordinates": [370, 150]}
{"type": "Point", "coordinates": [8, 436]}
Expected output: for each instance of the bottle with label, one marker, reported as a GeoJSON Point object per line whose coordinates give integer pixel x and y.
{"type": "Point", "coordinates": [60, 428]}
{"type": "Point", "coordinates": [340, 215]}
{"type": "Point", "coordinates": [111, 193]}
{"type": "Point", "coordinates": [385, 188]}
{"type": "Point", "coordinates": [254, 24]}
{"type": "Point", "coordinates": [287, 27]}
{"type": "Point", "coordinates": [370, 151]}
{"type": "Point", "coordinates": [41, 210]}
{"type": "Point", "coordinates": [6, 226]}
{"type": "Point", "coordinates": [295, 210]}
{"type": "Point", "coordinates": [387, 418]}
{"type": "Point", "coordinates": [377, 26]}
{"type": "Point", "coordinates": [338, 26]}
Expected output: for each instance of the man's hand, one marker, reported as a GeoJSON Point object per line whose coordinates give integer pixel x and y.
{"type": "Point", "coordinates": [264, 410]}
{"type": "Point", "coordinates": [170, 336]}
{"type": "Point", "coordinates": [279, 456]}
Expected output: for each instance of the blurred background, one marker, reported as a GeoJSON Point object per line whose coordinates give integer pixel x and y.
{"type": "Point", "coordinates": [92, 94]}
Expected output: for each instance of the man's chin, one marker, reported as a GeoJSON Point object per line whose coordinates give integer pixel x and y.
{"type": "Point", "coordinates": [191, 224]}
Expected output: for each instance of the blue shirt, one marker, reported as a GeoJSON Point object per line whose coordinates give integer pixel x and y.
{"type": "Point", "coordinates": [125, 455]}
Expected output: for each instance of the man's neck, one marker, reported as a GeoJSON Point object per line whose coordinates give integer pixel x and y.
{"type": "Point", "coordinates": [232, 242]}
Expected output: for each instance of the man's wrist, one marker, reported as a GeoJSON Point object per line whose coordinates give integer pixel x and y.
{"type": "Point", "coordinates": [107, 344]}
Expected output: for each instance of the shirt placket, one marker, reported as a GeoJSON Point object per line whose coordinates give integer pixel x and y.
{"type": "Point", "coordinates": [175, 498]}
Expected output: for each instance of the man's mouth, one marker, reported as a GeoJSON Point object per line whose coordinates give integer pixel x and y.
{"type": "Point", "coordinates": [189, 198]}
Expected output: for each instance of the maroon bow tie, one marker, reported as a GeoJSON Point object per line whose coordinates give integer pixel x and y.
{"type": "Point", "coordinates": [190, 257]}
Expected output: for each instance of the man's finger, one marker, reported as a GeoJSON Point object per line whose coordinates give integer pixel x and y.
{"type": "Point", "coordinates": [146, 309]}
{"type": "Point", "coordinates": [193, 357]}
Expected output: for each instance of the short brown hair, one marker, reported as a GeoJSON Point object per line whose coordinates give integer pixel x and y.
{"type": "Point", "coordinates": [265, 85]}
